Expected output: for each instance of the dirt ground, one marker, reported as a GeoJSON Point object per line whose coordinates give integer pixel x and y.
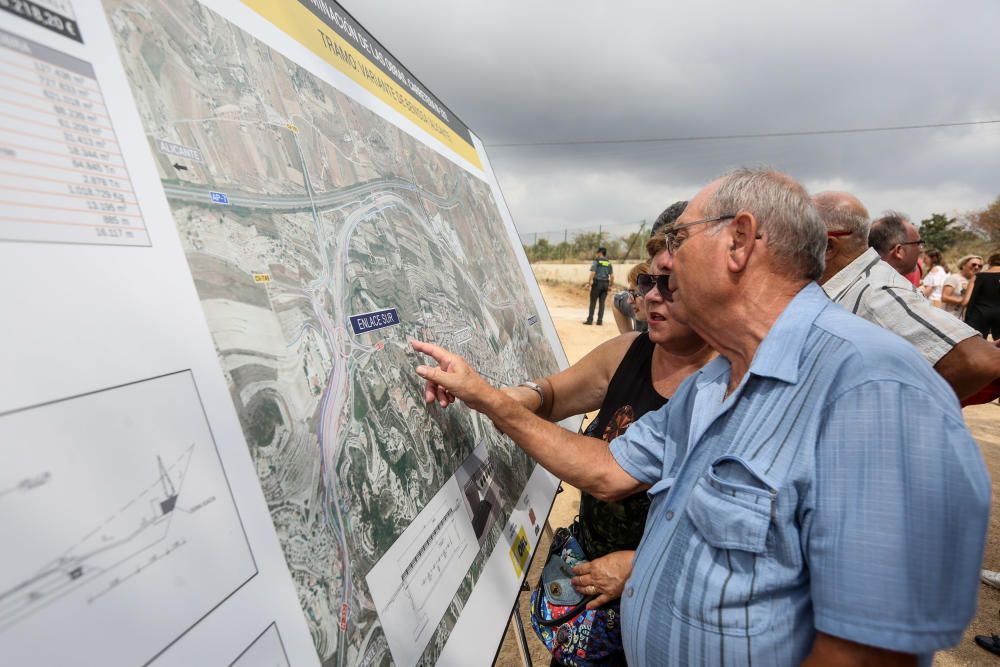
{"type": "Point", "coordinates": [567, 302]}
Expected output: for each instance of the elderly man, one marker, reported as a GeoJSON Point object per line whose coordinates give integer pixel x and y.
{"type": "Point", "coordinates": [869, 282]}
{"type": "Point", "coordinates": [811, 499]}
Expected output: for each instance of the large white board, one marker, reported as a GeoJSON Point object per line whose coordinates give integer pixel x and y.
{"type": "Point", "coordinates": [223, 233]}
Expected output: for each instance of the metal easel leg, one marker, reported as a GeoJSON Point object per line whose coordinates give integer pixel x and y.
{"type": "Point", "coordinates": [522, 643]}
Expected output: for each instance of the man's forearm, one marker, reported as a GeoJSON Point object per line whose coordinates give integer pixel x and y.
{"type": "Point", "coordinates": [970, 366]}
{"type": "Point", "coordinates": [584, 462]}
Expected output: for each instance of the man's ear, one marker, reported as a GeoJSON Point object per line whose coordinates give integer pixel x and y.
{"type": "Point", "coordinates": [742, 232]}
{"type": "Point", "coordinates": [832, 247]}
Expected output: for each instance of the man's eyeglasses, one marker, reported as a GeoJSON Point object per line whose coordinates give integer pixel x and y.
{"type": "Point", "coordinates": [646, 281]}
{"type": "Point", "coordinates": [917, 242]}
{"type": "Point", "coordinates": [975, 266]}
{"type": "Point", "coordinates": [834, 233]}
{"type": "Point", "coordinates": [673, 242]}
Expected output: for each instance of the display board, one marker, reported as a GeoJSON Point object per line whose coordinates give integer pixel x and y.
{"type": "Point", "coordinates": [226, 221]}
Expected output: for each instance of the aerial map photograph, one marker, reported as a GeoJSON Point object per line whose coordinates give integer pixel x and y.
{"type": "Point", "coordinates": [321, 239]}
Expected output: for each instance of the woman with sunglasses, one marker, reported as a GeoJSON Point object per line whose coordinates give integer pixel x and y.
{"type": "Point", "coordinates": [953, 292]}
{"type": "Point", "coordinates": [625, 377]}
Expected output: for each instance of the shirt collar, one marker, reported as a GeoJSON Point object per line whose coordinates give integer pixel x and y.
{"type": "Point", "coordinates": [778, 354]}
{"type": "Point", "coordinates": [847, 275]}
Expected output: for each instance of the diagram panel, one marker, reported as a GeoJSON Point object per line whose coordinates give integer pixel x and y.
{"type": "Point", "coordinates": [127, 532]}
{"type": "Point", "coordinates": [267, 650]}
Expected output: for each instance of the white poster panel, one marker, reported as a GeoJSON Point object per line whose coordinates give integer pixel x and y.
{"type": "Point", "coordinates": [196, 192]}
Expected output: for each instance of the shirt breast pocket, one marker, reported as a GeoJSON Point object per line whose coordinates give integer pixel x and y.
{"type": "Point", "coordinates": [730, 511]}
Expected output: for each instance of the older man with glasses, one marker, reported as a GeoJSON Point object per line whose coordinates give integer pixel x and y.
{"type": "Point", "coordinates": [868, 281]}
{"type": "Point", "coordinates": [807, 491]}
{"type": "Point", "coordinates": [896, 241]}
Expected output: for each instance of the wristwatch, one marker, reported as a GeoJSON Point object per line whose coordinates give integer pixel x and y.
{"type": "Point", "coordinates": [537, 388]}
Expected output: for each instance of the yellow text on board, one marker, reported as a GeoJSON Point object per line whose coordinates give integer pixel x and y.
{"type": "Point", "coordinates": [520, 551]}
{"type": "Point", "coordinates": [262, 277]}
{"type": "Point", "coordinates": [304, 27]}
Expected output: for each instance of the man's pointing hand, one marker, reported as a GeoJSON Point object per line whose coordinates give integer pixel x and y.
{"type": "Point", "coordinates": [452, 378]}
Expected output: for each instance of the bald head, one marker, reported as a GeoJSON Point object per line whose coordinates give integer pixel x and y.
{"type": "Point", "coordinates": [846, 220]}
{"type": "Point", "coordinates": [843, 212]}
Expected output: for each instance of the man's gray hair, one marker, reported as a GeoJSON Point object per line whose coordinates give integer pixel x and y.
{"type": "Point", "coordinates": [888, 231]}
{"type": "Point", "coordinates": [792, 229]}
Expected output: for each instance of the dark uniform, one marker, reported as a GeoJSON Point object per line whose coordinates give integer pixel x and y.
{"type": "Point", "coordinates": [601, 268]}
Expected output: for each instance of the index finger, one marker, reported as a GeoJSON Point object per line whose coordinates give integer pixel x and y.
{"type": "Point", "coordinates": [437, 353]}
{"type": "Point", "coordinates": [582, 568]}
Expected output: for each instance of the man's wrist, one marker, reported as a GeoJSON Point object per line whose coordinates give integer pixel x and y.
{"type": "Point", "coordinates": [537, 388]}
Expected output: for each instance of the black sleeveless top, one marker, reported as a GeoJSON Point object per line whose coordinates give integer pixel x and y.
{"type": "Point", "coordinates": [984, 302]}
{"type": "Point", "coordinates": [606, 527]}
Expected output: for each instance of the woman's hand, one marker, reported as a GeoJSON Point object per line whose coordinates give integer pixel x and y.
{"type": "Point", "coordinates": [604, 577]}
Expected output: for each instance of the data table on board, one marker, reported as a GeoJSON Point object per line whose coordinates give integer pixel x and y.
{"type": "Point", "coordinates": [62, 175]}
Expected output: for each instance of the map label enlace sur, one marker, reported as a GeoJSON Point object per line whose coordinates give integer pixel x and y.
{"type": "Point", "coordinates": [371, 321]}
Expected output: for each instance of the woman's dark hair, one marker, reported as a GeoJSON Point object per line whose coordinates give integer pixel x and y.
{"type": "Point", "coordinates": [935, 256]}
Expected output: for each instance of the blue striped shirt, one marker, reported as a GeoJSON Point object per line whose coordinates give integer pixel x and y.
{"type": "Point", "coordinates": [836, 490]}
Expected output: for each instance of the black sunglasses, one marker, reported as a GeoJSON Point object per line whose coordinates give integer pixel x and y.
{"type": "Point", "coordinates": [646, 281]}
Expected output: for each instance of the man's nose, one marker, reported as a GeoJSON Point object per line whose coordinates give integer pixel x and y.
{"type": "Point", "coordinates": [668, 261]}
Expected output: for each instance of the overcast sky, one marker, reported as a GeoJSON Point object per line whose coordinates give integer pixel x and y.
{"type": "Point", "coordinates": [565, 71]}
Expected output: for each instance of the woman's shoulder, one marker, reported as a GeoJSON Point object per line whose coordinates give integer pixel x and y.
{"type": "Point", "coordinates": [609, 354]}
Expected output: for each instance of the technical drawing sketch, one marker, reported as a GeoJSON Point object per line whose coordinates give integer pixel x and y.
{"type": "Point", "coordinates": [267, 650]}
{"type": "Point", "coordinates": [477, 478]}
{"type": "Point", "coordinates": [126, 531]}
{"type": "Point", "coordinates": [413, 584]}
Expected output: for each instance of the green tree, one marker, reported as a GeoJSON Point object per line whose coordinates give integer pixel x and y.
{"type": "Point", "coordinates": [987, 221]}
{"type": "Point", "coordinates": [635, 244]}
{"type": "Point", "coordinates": [938, 231]}
{"type": "Point", "coordinates": [585, 244]}
{"type": "Point", "coordinates": [539, 251]}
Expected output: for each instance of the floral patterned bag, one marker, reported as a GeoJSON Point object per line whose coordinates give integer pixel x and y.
{"type": "Point", "coordinates": [574, 635]}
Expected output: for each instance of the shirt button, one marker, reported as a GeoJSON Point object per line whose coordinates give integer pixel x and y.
{"type": "Point", "coordinates": [670, 515]}
{"type": "Point", "coordinates": [629, 591]}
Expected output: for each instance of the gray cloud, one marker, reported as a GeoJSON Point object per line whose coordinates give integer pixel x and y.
{"type": "Point", "coordinates": [554, 71]}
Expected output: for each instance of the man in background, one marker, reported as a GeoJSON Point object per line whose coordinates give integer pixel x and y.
{"type": "Point", "coordinates": [602, 274]}
{"type": "Point", "coordinates": [896, 241]}
{"type": "Point", "coordinates": [870, 282]}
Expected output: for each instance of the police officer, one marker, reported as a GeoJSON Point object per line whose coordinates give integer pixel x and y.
{"type": "Point", "coordinates": [601, 276]}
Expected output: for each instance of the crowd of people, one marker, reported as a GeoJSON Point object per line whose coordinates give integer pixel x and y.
{"type": "Point", "coordinates": [779, 472]}
{"type": "Point", "coordinates": [953, 291]}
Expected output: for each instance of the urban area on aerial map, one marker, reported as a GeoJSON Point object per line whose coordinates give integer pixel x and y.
{"type": "Point", "coordinates": [321, 239]}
